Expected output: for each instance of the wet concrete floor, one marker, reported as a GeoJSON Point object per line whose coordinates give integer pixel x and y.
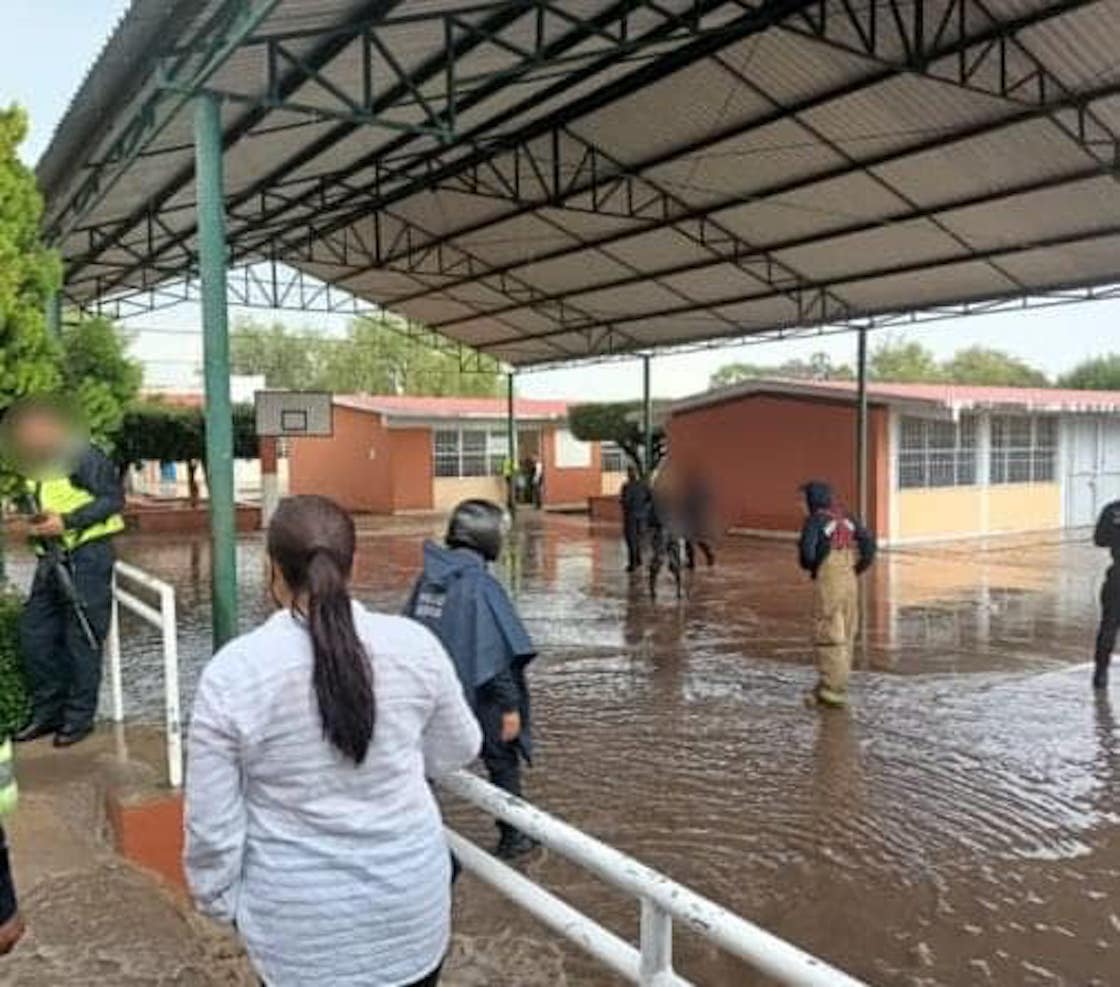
{"type": "Point", "coordinates": [959, 825]}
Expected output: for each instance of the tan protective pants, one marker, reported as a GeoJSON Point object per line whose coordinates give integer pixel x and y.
{"type": "Point", "coordinates": [835, 624]}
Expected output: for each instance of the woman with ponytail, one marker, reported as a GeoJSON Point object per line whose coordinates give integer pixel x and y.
{"type": "Point", "coordinates": [309, 822]}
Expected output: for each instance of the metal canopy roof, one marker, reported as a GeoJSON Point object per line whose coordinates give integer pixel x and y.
{"type": "Point", "coordinates": [547, 180]}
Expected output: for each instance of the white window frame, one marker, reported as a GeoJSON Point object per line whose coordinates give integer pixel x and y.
{"type": "Point", "coordinates": [934, 453]}
{"type": "Point", "coordinates": [479, 451]}
{"type": "Point", "coordinates": [609, 453]}
{"type": "Point", "coordinates": [1024, 449]}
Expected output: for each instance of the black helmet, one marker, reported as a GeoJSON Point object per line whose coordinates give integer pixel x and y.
{"type": "Point", "coordinates": [477, 525]}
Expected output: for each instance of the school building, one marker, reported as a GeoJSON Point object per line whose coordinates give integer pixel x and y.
{"type": "Point", "coordinates": [945, 461]}
{"type": "Point", "coordinates": [393, 453]}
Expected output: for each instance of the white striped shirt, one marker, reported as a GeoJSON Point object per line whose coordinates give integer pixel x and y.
{"type": "Point", "coordinates": [335, 874]}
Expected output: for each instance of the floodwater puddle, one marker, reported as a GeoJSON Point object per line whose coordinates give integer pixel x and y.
{"type": "Point", "coordinates": [959, 825]}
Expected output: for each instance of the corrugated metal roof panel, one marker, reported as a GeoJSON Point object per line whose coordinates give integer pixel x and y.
{"type": "Point", "coordinates": [1080, 207]}
{"type": "Point", "coordinates": [704, 132]}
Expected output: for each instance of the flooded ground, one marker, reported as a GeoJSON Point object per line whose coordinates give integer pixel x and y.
{"type": "Point", "coordinates": [959, 825]}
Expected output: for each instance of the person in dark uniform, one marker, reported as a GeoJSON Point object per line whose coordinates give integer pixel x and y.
{"type": "Point", "coordinates": [635, 499]}
{"type": "Point", "coordinates": [458, 599]}
{"type": "Point", "coordinates": [1107, 535]}
{"type": "Point", "coordinates": [74, 495]}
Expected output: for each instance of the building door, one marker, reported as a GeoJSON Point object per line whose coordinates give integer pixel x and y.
{"type": "Point", "coordinates": [1083, 470]}
{"type": "Point", "coordinates": [1108, 479]}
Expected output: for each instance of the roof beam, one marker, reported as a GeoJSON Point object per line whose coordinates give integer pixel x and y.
{"type": "Point", "coordinates": [507, 14]}
{"type": "Point", "coordinates": [598, 185]}
{"type": "Point", "coordinates": [756, 20]}
{"type": "Point", "coordinates": [792, 243]}
{"type": "Point", "coordinates": [838, 283]}
{"type": "Point", "coordinates": [158, 106]}
{"type": "Point", "coordinates": [1072, 109]}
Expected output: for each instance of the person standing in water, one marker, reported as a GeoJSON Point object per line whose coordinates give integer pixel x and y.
{"type": "Point", "coordinates": [458, 599]}
{"type": "Point", "coordinates": [635, 500]}
{"type": "Point", "coordinates": [1107, 535]}
{"type": "Point", "coordinates": [835, 548]}
{"type": "Point", "coordinates": [310, 824]}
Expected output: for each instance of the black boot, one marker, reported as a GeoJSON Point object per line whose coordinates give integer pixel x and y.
{"type": "Point", "coordinates": [513, 844]}
{"type": "Point", "coordinates": [33, 729]}
{"type": "Point", "coordinates": [1100, 676]}
{"type": "Point", "coordinates": [71, 735]}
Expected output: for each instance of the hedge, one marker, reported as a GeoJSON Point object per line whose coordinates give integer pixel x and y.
{"type": "Point", "coordinates": [13, 695]}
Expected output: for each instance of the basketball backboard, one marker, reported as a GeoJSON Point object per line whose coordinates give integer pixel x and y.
{"type": "Point", "coordinates": [293, 413]}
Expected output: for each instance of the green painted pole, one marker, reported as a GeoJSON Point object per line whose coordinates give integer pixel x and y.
{"type": "Point", "coordinates": [647, 415]}
{"type": "Point", "coordinates": [511, 437]}
{"type": "Point", "coordinates": [54, 313]}
{"type": "Point", "coordinates": [861, 427]}
{"type": "Point", "coordinates": [212, 258]}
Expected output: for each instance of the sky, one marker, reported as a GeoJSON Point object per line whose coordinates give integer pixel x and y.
{"type": "Point", "coordinates": [48, 45]}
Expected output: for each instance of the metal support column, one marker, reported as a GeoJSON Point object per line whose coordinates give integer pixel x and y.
{"type": "Point", "coordinates": [212, 255]}
{"type": "Point", "coordinates": [54, 313]}
{"type": "Point", "coordinates": [647, 416]}
{"type": "Point", "coordinates": [511, 440]}
{"type": "Point", "coordinates": [861, 430]}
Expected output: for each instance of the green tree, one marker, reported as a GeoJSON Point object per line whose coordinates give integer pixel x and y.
{"type": "Point", "coordinates": [984, 366]}
{"type": "Point", "coordinates": [166, 433]}
{"type": "Point", "coordinates": [286, 359]}
{"type": "Point", "coordinates": [28, 274]}
{"type": "Point", "coordinates": [374, 356]}
{"type": "Point", "coordinates": [1100, 373]}
{"type": "Point", "coordinates": [98, 374]}
{"type": "Point", "coordinates": [619, 422]}
{"type": "Point", "coordinates": [903, 362]}
{"type": "Point", "coordinates": [819, 366]}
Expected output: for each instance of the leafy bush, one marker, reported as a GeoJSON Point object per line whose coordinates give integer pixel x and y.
{"type": "Point", "coordinates": [13, 695]}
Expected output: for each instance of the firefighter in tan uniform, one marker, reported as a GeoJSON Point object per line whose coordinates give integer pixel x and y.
{"type": "Point", "coordinates": [835, 548]}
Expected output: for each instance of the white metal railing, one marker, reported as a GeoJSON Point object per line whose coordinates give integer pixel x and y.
{"type": "Point", "coordinates": [164, 618]}
{"type": "Point", "coordinates": [663, 901]}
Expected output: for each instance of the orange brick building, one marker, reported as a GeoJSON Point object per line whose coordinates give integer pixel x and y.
{"type": "Point", "coordinates": [945, 461]}
{"type": "Point", "coordinates": [392, 454]}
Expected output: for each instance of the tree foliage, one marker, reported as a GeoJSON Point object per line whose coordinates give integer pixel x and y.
{"type": "Point", "coordinates": [1101, 373]}
{"type": "Point", "coordinates": [819, 366]}
{"type": "Point", "coordinates": [28, 274]}
{"type": "Point", "coordinates": [619, 422]}
{"type": "Point", "coordinates": [983, 366]}
{"type": "Point", "coordinates": [903, 362]}
{"type": "Point", "coordinates": [98, 374]}
{"type": "Point", "coordinates": [13, 693]}
{"type": "Point", "coordinates": [171, 434]}
{"type": "Point", "coordinates": [374, 356]}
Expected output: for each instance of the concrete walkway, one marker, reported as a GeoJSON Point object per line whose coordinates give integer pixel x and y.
{"type": "Point", "coordinates": [94, 919]}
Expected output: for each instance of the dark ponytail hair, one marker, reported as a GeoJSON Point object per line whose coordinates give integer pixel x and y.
{"type": "Point", "coordinates": [311, 541]}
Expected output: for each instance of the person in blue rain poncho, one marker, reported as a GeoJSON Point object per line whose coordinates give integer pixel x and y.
{"type": "Point", "coordinates": [459, 600]}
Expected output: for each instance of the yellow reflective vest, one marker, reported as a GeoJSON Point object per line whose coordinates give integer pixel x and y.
{"type": "Point", "coordinates": [9, 792]}
{"type": "Point", "coordinates": [61, 496]}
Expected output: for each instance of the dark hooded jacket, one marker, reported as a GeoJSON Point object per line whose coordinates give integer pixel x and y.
{"type": "Point", "coordinates": [470, 612]}
{"type": "Point", "coordinates": [1107, 533]}
{"type": "Point", "coordinates": [820, 531]}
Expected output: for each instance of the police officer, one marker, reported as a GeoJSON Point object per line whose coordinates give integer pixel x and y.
{"type": "Point", "coordinates": [77, 499]}
{"type": "Point", "coordinates": [635, 500]}
{"type": "Point", "coordinates": [1107, 535]}
{"type": "Point", "coordinates": [458, 599]}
